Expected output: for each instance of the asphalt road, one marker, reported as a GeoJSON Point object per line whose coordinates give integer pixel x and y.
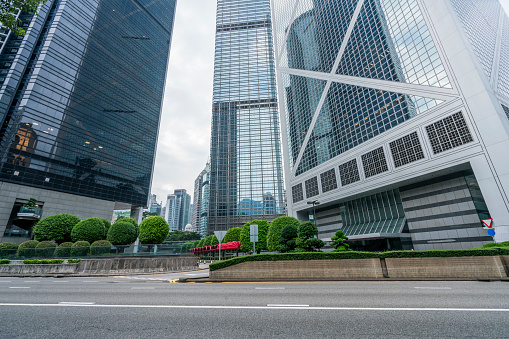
{"type": "Point", "coordinates": [136, 307]}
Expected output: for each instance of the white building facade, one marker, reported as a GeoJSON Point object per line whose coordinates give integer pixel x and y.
{"type": "Point", "coordinates": [395, 119]}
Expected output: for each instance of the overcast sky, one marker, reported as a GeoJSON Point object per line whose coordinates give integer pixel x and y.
{"type": "Point", "coordinates": [184, 135]}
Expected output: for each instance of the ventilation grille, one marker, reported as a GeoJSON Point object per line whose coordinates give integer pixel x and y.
{"type": "Point", "coordinates": [349, 172]}
{"type": "Point", "coordinates": [374, 162]}
{"type": "Point", "coordinates": [406, 150]}
{"type": "Point", "coordinates": [506, 110]}
{"type": "Point", "coordinates": [312, 187]}
{"type": "Point", "coordinates": [449, 133]}
{"type": "Point", "coordinates": [297, 193]}
{"type": "Point", "coordinates": [329, 181]}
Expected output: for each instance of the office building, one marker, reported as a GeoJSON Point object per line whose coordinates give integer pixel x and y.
{"type": "Point", "coordinates": [396, 119]}
{"type": "Point", "coordinates": [80, 103]}
{"type": "Point", "coordinates": [198, 197]}
{"type": "Point", "coordinates": [245, 152]}
{"type": "Point", "coordinates": [178, 209]}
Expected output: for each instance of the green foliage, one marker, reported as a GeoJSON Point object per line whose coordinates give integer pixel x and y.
{"type": "Point", "coordinates": [56, 227]}
{"type": "Point", "coordinates": [8, 249]}
{"type": "Point", "coordinates": [4, 261]}
{"type": "Point", "coordinates": [213, 240]}
{"type": "Point", "coordinates": [106, 224]}
{"type": "Point", "coordinates": [153, 230]}
{"type": "Point", "coordinates": [42, 261]}
{"type": "Point", "coordinates": [201, 243]}
{"type": "Point", "coordinates": [494, 244]}
{"type": "Point", "coordinates": [288, 238]}
{"type": "Point", "coordinates": [504, 244]}
{"type": "Point", "coordinates": [306, 241]}
{"type": "Point", "coordinates": [178, 235]}
{"type": "Point", "coordinates": [233, 234]}
{"type": "Point", "coordinates": [338, 242]}
{"type": "Point", "coordinates": [147, 214]}
{"type": "Point", "coordinates": [91, 229]}
{"type": "Point", "coordinates": [132, 221]}
{"type": "Point", "coordinates": [32, 202]}
{"type": "Point", "coordinates": [263, 229]}
{"type": "Point", "coordinates": [122, 233]}
{"type": "Point", "coordinates": [8, 9]}
{"type": "Point", "coordinates": [73, 261]}
{"type": "Point", "coordinates": [208, 240]}
{"type": "Point", "coordinates": [80, 249]}
{"type": "Point", "coordinates": [275, 229]}
{"type": "Point", "coordinates": [27, 248]}
{"type": "Point", "coordinates": [186, 247]}
{"type": "Point", "coordinates": [64, 249]}
{"type": "Point", "coordinates": [45, 249]}
{"type": "Point", "coordinates": [100, 247]}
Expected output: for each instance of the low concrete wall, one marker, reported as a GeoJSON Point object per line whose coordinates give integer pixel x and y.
{"type": "Point", "coordinates": [38, 269]}
{"type": "Point", "coordinates": [301, 270]}
{"type": "Point", "coordinates": [505, 262]}
{"type": "Point", "coordinates": [134, 265]}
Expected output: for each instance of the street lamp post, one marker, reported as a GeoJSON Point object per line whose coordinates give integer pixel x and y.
{"type": "Point", "coordinates": [314, 203]}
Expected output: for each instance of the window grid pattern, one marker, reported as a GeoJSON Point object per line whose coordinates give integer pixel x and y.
{"type": "Point", "coordinates": [302, 96]}
{"type": "Point", "coordinates": [406, 150]}
{"type": "Point", "coordinates": [349, 172]}
{"type": "Point", "coordinates": [449, 133]}
{"type": "Point", "coordinates": [480, 21]}
{"type": "Point", "coordinates": [374, 162]}
{"type": "Point", "coordinates": [506, 110]}
{"type": "Point", "coordinates": [297, 193]}
{"type": "Point", "coordinates": [379, 213]}
{"type": "Point", "coordinates": [352, 115]}
{"type": "Point", "coordinates": [312, 187]}
{"type": "Point", "coordinates": [393, 46]}
{"type": "Point", "coordinates": [329, 181]}
{"type": "Point", "coordinates": [503, 71]}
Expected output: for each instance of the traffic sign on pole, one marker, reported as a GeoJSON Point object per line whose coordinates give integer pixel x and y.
{"type": "Point", "coordinates": [487, 222]}
{"type": "Point", "coordinates": [220, 236]}
{"type": "Point", "coordinates": [253, 235]}
{"type": "Point", "coordinates": [491, 232]}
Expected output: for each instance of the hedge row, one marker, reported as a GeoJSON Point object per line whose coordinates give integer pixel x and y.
{"type": "Point", "coordinates": [359, 255]}
{"type": "Point", "coordinates": [73, 261]}
{"type": "Point", "coordinates": [42, 261]}
{"type": "Point", "coordinates": [4, 261]}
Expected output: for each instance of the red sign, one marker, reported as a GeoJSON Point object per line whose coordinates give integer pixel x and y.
{"type": "Point", "coordinates": [487, 222]}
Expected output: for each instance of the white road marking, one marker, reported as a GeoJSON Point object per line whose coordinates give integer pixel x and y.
{"type": "Point", "coordinates": [142, 288]}
{"type": "Point", "coordinates": [19, 287]}
{"type": "Point", "coordinates": [59, 281]}
{"type": "Point", "coordinates": [286, 307]}
{"type": "Point", "coordinates": [269, 288]}
{"type": "Point", "coordinates": [5, 281]}
{"type": "Point", "coordinates": [435, 288]}
{"type": "Point", "coordinates": [280, 305]}
{"type": "Point", "coordinates": [31, 281]}
{"type": "Point", "coordinates": [87, 281]}
{"type": "Point", "coordinates": [75, 303]}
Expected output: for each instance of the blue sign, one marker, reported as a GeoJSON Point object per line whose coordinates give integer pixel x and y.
{"type": "Point", "coordinates": [491, 232]}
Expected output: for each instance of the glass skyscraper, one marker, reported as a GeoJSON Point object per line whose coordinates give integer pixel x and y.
{"type": "Point", "coordinates": [246, 178]}
{"type": "Point", "coordinates": [80, 100]}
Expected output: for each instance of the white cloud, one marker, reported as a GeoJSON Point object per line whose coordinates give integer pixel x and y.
{"type": "Point", "coordinates": [184, 135]}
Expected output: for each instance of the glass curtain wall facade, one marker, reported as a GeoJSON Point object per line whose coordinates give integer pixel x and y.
{"type": "Point", "coordinates": [246, 179]}
{"type": "Point", "coordinates": [81, 95]}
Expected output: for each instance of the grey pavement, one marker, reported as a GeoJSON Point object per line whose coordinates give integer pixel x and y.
{"type": "Point", "coordinates": [114, 307]}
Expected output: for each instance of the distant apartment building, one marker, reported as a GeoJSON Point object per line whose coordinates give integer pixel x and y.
{"type": "Point", "coordinates": [178, 209]}
{"type": "Point", "coordinates": [199, 183]}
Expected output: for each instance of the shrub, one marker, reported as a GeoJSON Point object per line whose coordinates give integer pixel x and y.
{"type": "Point", "coordinates": [56, 227]}
{"type": "Point", "coordinates": [491, 244]}
{"type": "Point", "coordinates": [122, 233]}
{"type": "Point", "coordinates": [64, 249]}
{"type": "Point", "coordinates": [27, 248]}
{"type": "Point", "coordinates": [100, 247]}
{"type": "Point", "coordinates": [275, 229]}
{"type": "Point", "coordinates": [91, 229]}
{"type": "Point", "coordinates": [131, 221]}
{"type": "Point", "coordinates": [504, 244]}
{"type": "Point", "coordinates": [106, 224]}
{"type": "Point", "coordinates": [80, 249]}
{"type": "Point", "coordinates": [306, 240]}
{"type": "Point", "coordinates": [73, 261]}
{"type": "Point", "coordinates": [288, 238]}
{"type": "Point", "coordinates": [4, 261]}
{"type": "Point", "coordinates": [153, 230]}
{"type": "Point", "coordinates": [338, 242]}
{"type": "Point", "coordinates": [42, 261]}
{"type": "Point", "coordinates": [45, 249]}
{"type": "Point", "coordinates": [233, 234]}
{"type": "Point", "coordinates": [245, 243]}
{"type": "Point", "coordinates": [8, 249]}
{"type": "Point", "coordinates": [213, 240]}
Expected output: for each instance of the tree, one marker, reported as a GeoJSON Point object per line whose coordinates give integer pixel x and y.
{"type": "Point", "coordinates": [288, 238]}
{"type": "Point", "coordinates": [306, 241]}
{"type": "Point", "coordinates": [122, 233]}
{"type": "Point", "coordinates": [9, 9]}
{"type": "Point", "coordinates": [233, 234]}
{"type": "Point", "coordinates": [263, 228]}
{"type": "Point", "coordinates": [91, 229]}
{"type": "Point", "coordinates": [57, 227]}
{"type": "Point", "coordinates": [153, 230]}
{"type": "Point", "coordinates": [338, 242]}
{"type": "Point", "coordinates": [208, 240]}
{"type": "Point", "coordinates": [132, 221]}
{"type": "Point", "coordinates": [275, 229]}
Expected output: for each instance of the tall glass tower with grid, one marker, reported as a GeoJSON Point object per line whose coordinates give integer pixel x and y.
{"type": "Point", "coordinates": [246, 174]}
{"type": "Point", "coordinates": [388, 110]}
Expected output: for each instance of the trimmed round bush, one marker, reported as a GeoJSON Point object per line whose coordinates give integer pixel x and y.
{"type": "Point", "coordinates": [122, 233]}
{"type": "Point", "coordinates": [8, 249]}
{"type": "Point", "coordinates": [27, 248]}
{"type": "Point", "coordinates": [91, 229]}
{"type": "Point", "coordinates": [80, 249]}
{"type": "Point", "coordinates": [106, 224]}
{"type": "Point", "coordinates": [100, 247]}
{"type": "Point", "coordinates": [275, 229]}
{"type": "Point", "coordinates": [245, 243]}
{"type": "Point", "coordinates": [56, 227]}
{"type": "Point", "coordinates": [64, 249]}
{"type": "Point", "coordinates": [132, 221]}
{"type": "Point", "coordinates": [153, 230]}
{"type": "Point", "coordinates": [45, 249]}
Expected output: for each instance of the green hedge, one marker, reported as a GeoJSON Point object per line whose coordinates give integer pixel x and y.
{"type": "Point", "coordinates": [45, 249]}
{"type": "Point", "coordinates": [8, 249]}
{"type": "Point", "coordinates": [27, 248]}
{"type": "Point", "coordinates": [4, 261]}
{"type": "Point", "coordinates": [80, 249]}
{"type": "Point", "coordinates": [64, 250]}
{"type": "Point", "coordinates": [100, 247]}
{"type": "Point", "coordinates": [359, 255]}
{"type": "Point", "coordinates": [42, 261]}
{"type": "Point", "coordinates": [73, 261]}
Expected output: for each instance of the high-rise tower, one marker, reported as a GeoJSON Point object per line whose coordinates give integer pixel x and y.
{"type": "Point", "coordinates": [245, 155]}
